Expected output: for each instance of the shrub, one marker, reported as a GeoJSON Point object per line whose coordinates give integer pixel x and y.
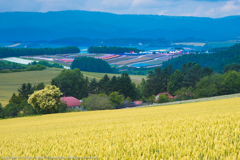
{"type": "Point", "coordinates": [97, 102]}
{"type": "Point", "coordinates": [46, 100]}
{"type": "Point", "coordinates": [163, 98]}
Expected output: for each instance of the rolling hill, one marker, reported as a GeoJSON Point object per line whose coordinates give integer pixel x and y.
{"type": "Point", "coordinates": [34, 26]}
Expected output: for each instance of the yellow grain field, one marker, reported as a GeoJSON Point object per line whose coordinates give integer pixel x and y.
{"type": "Point", "coordinates": [203, 130]}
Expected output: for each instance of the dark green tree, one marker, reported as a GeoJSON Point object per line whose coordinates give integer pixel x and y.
{"type": "Point", "coordinates": [2, 112]}
{"type": "Point", "coordinates": [70, 83]}
{"type": "Point", "coordinates": [175, 82]}
{"type": "Point", "coordinates": [232, 67]}
{"type": "Point", "coordinates": [104, 85]}
{"type": "Point", "coordinates": [93, 86]}
{"type": "Point", "coordinates": [232, 82]}
{"type": "Point", "coordinates": [11, 110]}
{"type": "Point", "coordinates": [193, 74]}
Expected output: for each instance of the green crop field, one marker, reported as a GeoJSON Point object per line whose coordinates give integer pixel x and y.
{"type": "Point", "coordinates": [201, 130]}
{"type": "Point", "coordinates": [135, 78]}
{"type": "Point", "coordinates": [10, 82]}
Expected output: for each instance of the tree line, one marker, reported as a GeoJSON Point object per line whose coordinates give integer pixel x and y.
{"type": "Point", "coordinates": [110, 49]}
{"type": "Point", "coordinates": [16, 52]}
{"type": "Point", "coordinates": [7, 67]}
{"type": "Point", "coordinates": [215, 60]}
{"type": "Point", "coordinates": [91, 64]}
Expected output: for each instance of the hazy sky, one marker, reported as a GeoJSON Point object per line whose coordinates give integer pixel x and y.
{"type": "Point", "coordinates": [200, 8]}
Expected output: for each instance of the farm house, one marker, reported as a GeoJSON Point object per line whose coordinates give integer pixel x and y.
{"type": "Point", "coordinates": [169, 95]}
{"type": "Point", "coordinates": [72, 103]}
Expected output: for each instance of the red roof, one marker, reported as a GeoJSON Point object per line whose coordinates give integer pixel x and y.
{"type": "Point", "coordinates": [169, 95]}
{"type": "Point", "coordinates": [71, 101]}
{"type": "Point", "coordinates": [138, 102]}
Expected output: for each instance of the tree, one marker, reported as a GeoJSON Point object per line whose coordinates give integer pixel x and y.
{"type": "Point", "coordinates": [116, 99]}
{"type": "Point", "coordinates": [11, 110]}
{"type": "Point", "coordinates": [71, 83]}
{"type": "Point", "coordinates": [46, 100]}
{"type": "Point", "coordinates": [91, 64]}
{"type": "Point", "coordinates": [104, 85]}
{"type": "Point", "coordinates": [93, 86]}
{"type": "Point", "coordinates": [128, 99]}
{"type": "Point", "coordinates": [232, 67]}
{"type": "Point", "coordinates": [193, 74]}
{"type": "Point", "coordinates": [163, 98]}
{"type": "Point", "coordinates": [85, 88]}
{"type": "Point", "coordinates": [175, 82]}
{"type": "Point", "coordinates": [208, 86]}
{"type": "Point", "coordinates": [144, 99]}
{"type": "Point", "coordinates": [39, 86]}
{"type": "Point", "coordinates": [126, 87]}
{"type": "Point", "coordinates": [25, 90]}
{"type": "Point", "coordinates": [27, 109]}
{"type": "Point", "coordinates": [232, 82]}
{"type": "Point", "coordinates": [16, 99]}
{"type": "Point", "coordinates": [114, 84]}
{"type": "Point", "coordinates": [97, 102]}
{"type": "Point", "coordinates": [185, 93]}
{"type": "Point", "coordinates": [2, 114]}
{"type": "Point", "coordinates": [152, 99]}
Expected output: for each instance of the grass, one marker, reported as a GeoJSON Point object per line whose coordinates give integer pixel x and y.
{"type": "Point", "coordinates": [201, 130]}
{"type": "Point", "coordinates": [10, 82]}
{"type": "Point", "coordinates": [135, 78]}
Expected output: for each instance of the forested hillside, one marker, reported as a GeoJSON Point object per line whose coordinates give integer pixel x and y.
{"type": "Point", "coordinates": [16, 52]}
{"type": "Point", "coordinates": [62, 24]}
{"type": "Point", "coordinates": [91, 64]}
{"type": "Point", "coordinates": [217, 60]}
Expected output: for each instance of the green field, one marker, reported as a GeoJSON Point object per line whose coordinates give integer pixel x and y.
{"type": "Point", "coordinates": [10, 82]}
{"type": "Point", "coordinates": [135, 78]}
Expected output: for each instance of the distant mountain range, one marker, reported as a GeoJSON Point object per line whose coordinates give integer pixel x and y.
{"type": "Point", "coordinates": [34, 26]}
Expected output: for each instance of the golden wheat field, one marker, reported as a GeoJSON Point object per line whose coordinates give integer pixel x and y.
{"type": "Point", "coordinates": [203, 130]}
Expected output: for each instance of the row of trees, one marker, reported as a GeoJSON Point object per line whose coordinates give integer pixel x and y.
{"type": "Point", "coordinates": [47, 64]}
{"type": "Point", "coordinates": [105, 49]}
{"type": "Point", "coordinates": [11, 65]}
{"type": "Point", "coordinates": [72, 83]}
{"type": "Point", "coordinates": [217, 60]}
{"type": "Point", "coordinates": [91, 64]}
{"type": "Point", "coordinates": [16, 52]}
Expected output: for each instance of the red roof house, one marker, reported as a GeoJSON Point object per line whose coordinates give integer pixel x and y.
{"type": "Point", "coordinates": [138, 102]}
{"type": "Point", "coordinates": [169, 95]}
{"type": "Point", "coordinates": [71, 101]}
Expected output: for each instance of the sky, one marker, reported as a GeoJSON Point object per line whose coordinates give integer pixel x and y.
{"type": "Point", "coordinates": [197, 8]}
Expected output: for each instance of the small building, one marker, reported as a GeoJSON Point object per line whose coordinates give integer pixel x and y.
{"type": "Point", "coordinates": [138, 102]}
{"type": "Point", "coordinates": [169, 95]}
{"type": "Point", "coordinates": [72, 103]}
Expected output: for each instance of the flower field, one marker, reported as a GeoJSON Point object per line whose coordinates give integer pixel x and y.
{"type": "Point", "coordinates": [203, 130]}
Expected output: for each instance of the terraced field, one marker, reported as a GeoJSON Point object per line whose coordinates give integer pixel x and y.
{"type": "Point", "coordinates": [203, 130]}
